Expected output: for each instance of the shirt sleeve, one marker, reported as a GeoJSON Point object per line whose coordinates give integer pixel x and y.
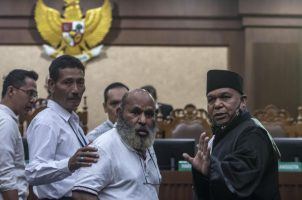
{"type": "Point", "coordinates": [240, 172]}
{"type": "Point", "coordinates": [42, 167]}
{"type": "Point", "coordinates": [8, 138]}
{"type": "Point", "coordinates": [96, 177]}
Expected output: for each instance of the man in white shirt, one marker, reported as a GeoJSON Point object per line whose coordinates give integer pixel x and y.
{"type": "Point", "coordinates": [57, 144]}
{"type": "Point", "coordinates": [18, 95]}
{"type": "Point", "coordinates": [113, 94]}
{"type": "Point", "coordinates": [128, 168]}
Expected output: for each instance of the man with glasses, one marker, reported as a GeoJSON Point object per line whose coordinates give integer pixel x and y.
{"type": "Point", "coordinates": [18, 96]}
{"type": "Point", "coordinates": [57, 144]}
{"type": "Point", "coordinates": [128, 166]}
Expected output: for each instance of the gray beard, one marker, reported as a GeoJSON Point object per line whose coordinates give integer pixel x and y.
{"type": "Point", "coordinates": [129, 136]}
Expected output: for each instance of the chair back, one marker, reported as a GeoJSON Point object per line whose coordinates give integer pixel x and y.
{"type": "Point", "coordinates": [188, 122]}
{"type": "Point", "coordinates": [275, 120]}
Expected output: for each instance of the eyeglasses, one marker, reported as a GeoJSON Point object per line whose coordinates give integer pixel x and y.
{"type": "Point", "coordinates": [31, 93]}
{"type": "Point", "coordinates": [146, 175]}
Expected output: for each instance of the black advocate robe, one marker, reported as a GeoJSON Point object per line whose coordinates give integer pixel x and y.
{"type": "Point", "coordinates": [243, 164]}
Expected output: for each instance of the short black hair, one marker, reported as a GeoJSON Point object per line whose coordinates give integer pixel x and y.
{"type": "Point", "coordinates": [151, 90]}
{"type": "Point", "coordinates": [112, 86]}
{"type": "Point", "coordinates": [16, 78]}
{"type": "Point", "coordinates": [62, 62]}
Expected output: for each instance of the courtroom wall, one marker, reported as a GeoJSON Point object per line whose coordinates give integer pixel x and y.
{"type": "Point", "coordinates": [263, 37]}
{"type": "Point", "coordinates": [178, 73]}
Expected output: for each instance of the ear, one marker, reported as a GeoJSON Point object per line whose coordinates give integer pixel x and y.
{"type": "Point", "coordinates": [243, 101]}
{"type": "Point", "coordinates": [10, 91]}
{"type": "Point", "coordinates": [105, 107]}
{"type": "Point", "coordinates": [244, 98]}
{"type": "Point", "coordinates": [51, 85]}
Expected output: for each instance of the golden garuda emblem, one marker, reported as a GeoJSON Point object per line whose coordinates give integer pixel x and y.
{"type": "Point", "coordinates": [73, 33]}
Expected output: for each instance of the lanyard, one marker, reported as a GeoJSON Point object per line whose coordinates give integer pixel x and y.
{"type": "Point", "coordinates": [79, 135]}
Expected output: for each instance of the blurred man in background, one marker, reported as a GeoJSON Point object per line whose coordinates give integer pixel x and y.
{"type": "Point", "coordinates": [161, 108]}
{"type": "Point", "coordinates": [18, 96]}
{"type": "Point", "coordinates": [113, 94]}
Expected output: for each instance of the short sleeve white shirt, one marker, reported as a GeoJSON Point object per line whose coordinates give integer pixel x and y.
{"type": "Point", "coordinates": [120, 173]}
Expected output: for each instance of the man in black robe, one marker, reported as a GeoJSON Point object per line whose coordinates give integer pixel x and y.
{"type": "Point", "coordinates": [240, 162]}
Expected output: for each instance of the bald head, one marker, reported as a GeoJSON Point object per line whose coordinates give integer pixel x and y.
{"type": "Point", "coordinates": [137, 95]}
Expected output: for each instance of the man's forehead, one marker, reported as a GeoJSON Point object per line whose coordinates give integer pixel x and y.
{"type": "Point", "coordinates": [140, 99]}
{"type": "Point", "coordinates": [117, 90]}
{"type": "Point", "coordinates": [222, 91]}
{"type": "Point", "coordinates": [70, 72]}
{"type": "Point", "coordinates": [29, 83]}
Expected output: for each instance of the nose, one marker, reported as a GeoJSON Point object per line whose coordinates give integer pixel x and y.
{"type": "Point", "coordinates": [75, 88]}
{"type": "Point", "coordinates": [217, 103]}
{"type": "Point", "coordinates": [142, 119]}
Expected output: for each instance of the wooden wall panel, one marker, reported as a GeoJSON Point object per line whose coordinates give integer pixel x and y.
{"type": "Point", "coordinates": [277, 78]}
{"type": "Point", "coordinates": [288, 60]}
{"type": "Point", "coordinates": [269, 7]}
{"type": "Point", "coordinates": [136, 8]}
{"type": "Point", "coordinates": [143, 22]}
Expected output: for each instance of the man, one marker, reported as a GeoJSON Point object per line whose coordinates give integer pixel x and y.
{"type": "Point", "coordinates": [162, 108]}
{"type": "Point", "coordinates": [57, 144]}
{"type": "Point", "coordinates": [128, 168]}
{"type": "Point", "coordinates": [241, 162]}
{"type": "Point", "coordinates": [18, 95]}
{"type": "Point", "coordinates": [112, 98]}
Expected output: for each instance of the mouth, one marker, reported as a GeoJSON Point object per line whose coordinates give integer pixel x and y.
{"type": "Point", "coordinates": [219, 116]}
{"type": "Point", "coordinates": [142, 132]}
{"type": "Point", "coordinates": [74, 99]}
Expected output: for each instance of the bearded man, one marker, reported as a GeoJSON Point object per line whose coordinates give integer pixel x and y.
{"type": "Point", "coordinates": [128, 166]}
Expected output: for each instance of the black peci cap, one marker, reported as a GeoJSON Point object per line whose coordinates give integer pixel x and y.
{"type": "Point", "coordinates": [224, 79]}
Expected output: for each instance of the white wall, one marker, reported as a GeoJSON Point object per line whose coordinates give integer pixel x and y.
{"type": "Point", "coordinates": [178, 73]}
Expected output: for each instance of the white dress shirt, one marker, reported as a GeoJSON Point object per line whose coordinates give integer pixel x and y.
{"type": "Point", "coordinates": [54, 135]}
{"type": "Point", "coordinates": [120, 173]}
{"type": "Point", "coordinates": [99, 130]}
{"type": "Point", "coordinates": [12, 163]}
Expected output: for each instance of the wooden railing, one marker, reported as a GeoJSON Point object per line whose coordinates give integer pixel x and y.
{"type": "Point", "coordinates": [279, 122]}
{"type": "Point", "coordinates": [178, 185]}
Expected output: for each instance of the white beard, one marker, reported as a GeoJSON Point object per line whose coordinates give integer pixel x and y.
{"type": "Point", "coordinates": [129, 136]}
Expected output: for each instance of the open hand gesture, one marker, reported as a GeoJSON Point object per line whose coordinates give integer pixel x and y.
{"type": "Point", "coordinates": [201, 161]}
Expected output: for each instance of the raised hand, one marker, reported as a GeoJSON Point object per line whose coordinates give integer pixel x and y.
{"type": "Point", "coordinates": [201, 161]}
{"type": "Point", "coordinates": [84, 157]}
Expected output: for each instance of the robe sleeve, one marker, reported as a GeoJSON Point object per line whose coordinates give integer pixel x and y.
{"type": "Point", "coordinates": [201, 185]}
{"type": "Point", "coordinates": [240, 172]}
